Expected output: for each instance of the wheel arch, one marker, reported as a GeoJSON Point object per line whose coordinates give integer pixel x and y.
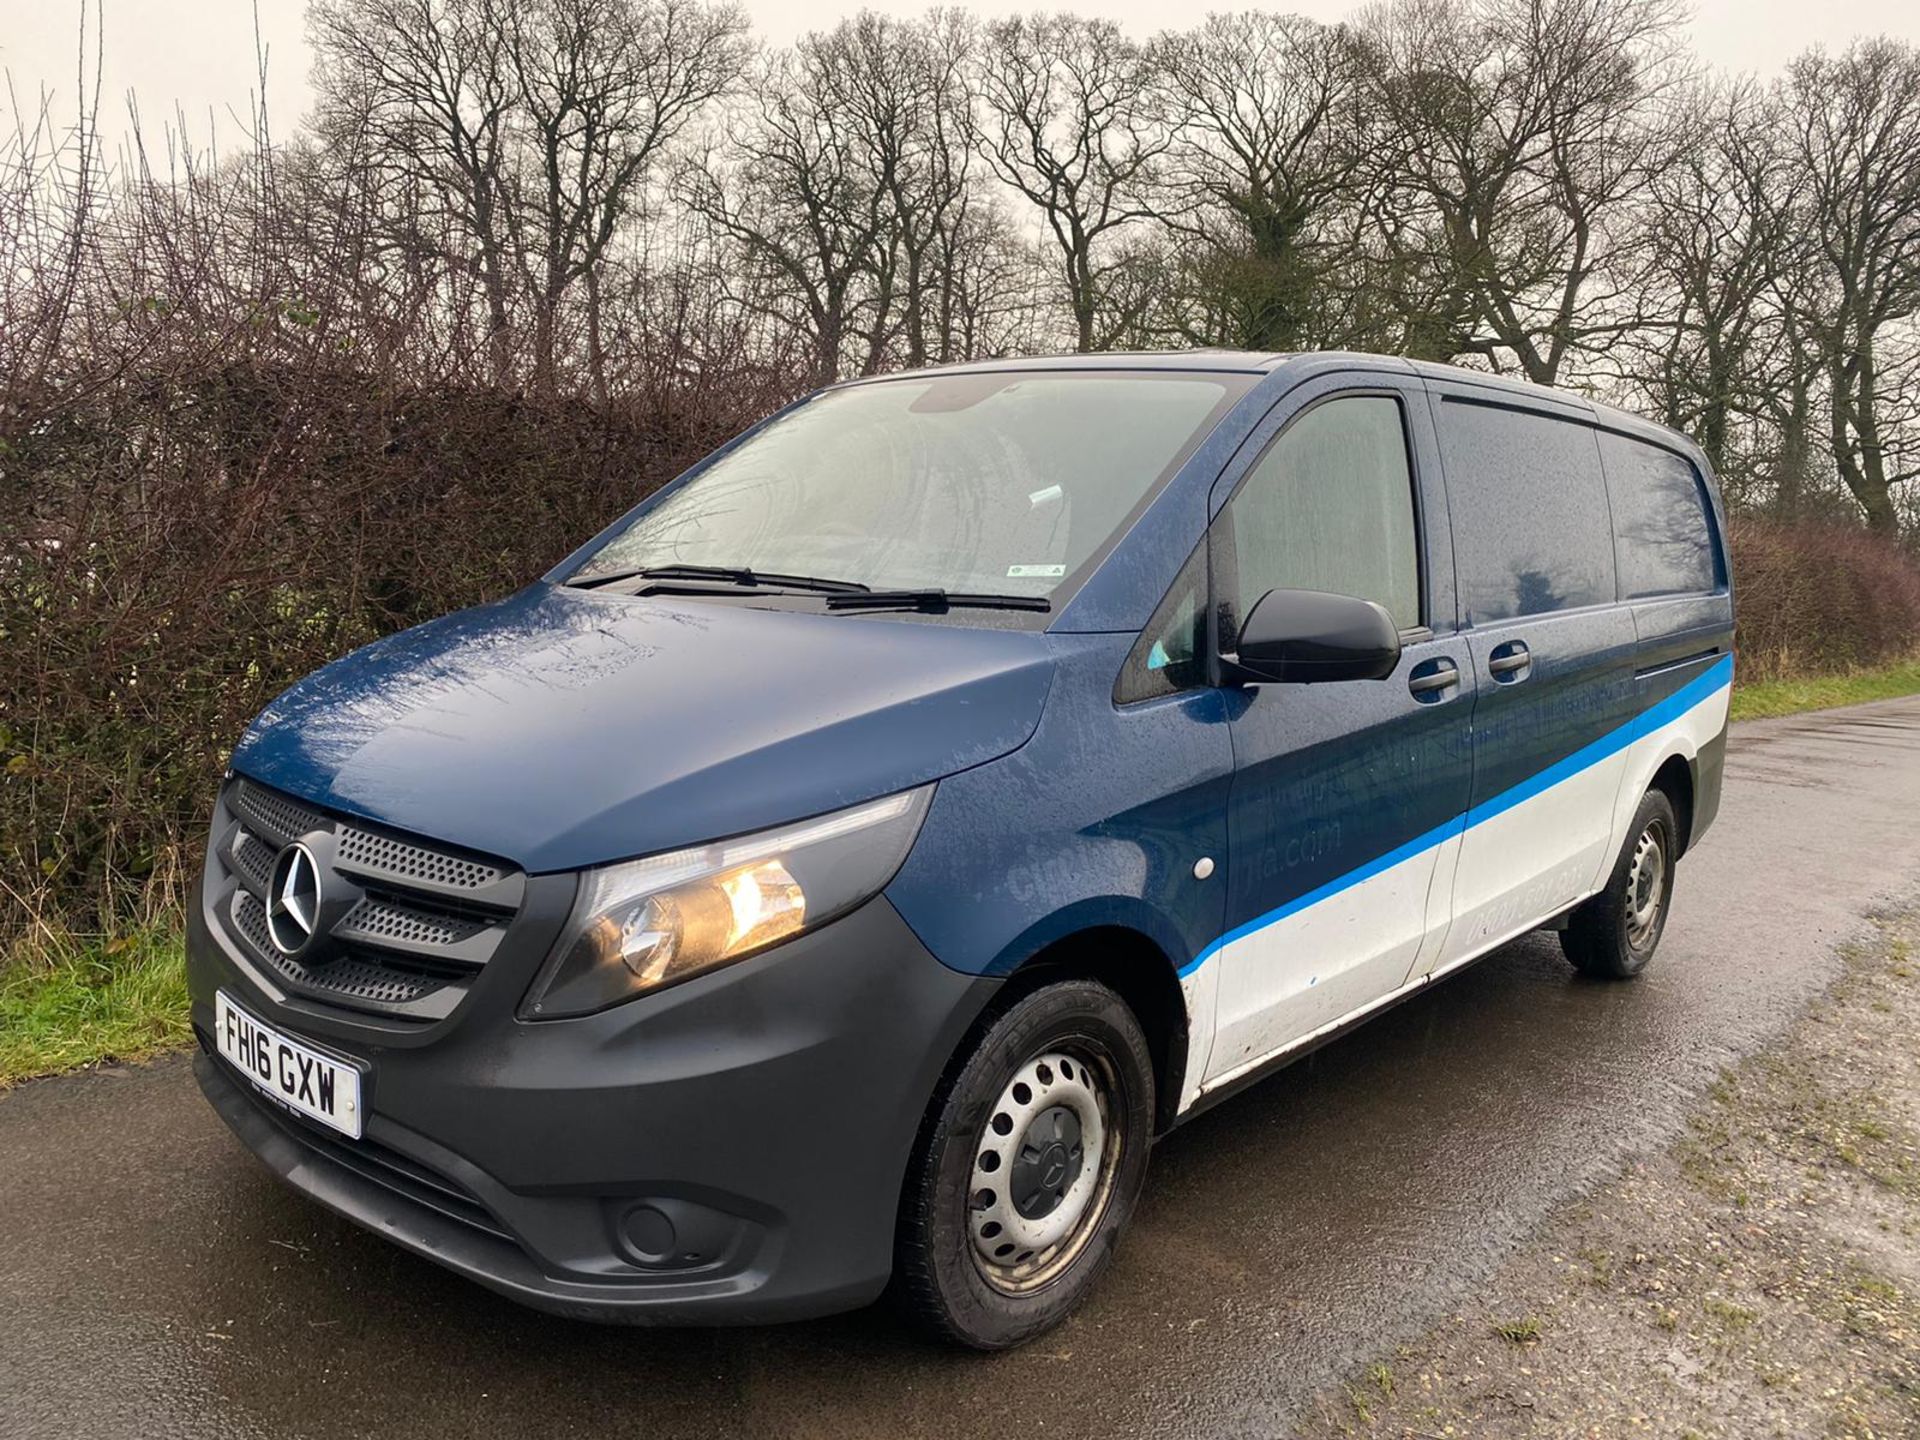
{"type": "Point", "coordinates": [1135, 967]}
{"type": "Point", "coordinates": [1674, 778]}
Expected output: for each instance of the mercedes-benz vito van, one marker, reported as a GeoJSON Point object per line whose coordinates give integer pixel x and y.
{"type": "Point", "coordinates": [839, 871]}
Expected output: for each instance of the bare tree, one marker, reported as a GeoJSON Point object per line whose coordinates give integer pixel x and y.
{"type": "Point", "coordinates": [1074, 128]}
{"type": "Point", "coordinates": [1852, 127]}
{"type": "Point", "coordinates": [1720, 226]}
{"type": "Point", "coordinates": [903, 90]}
{"type": "Point", "coordinates": [1520, 135]}
{"type": "Point", "coordinates": [417, 93]}
{"type": "Point", "coordinates": [792, 189]}
{"type": "Point", "coordinates": [258, 407]}
{"type": "Point", "coordinates": [990, 282]}
{"type": "Point", "coordinates": [599, 88]}
{"type": "Point", "coordinates": [1265, 144]}
{"type": "Point", "coordinates": [533, 124]}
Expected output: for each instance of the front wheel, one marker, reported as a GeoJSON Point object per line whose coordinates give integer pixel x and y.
{"type": "Point", "coordinates": [1613, 935]}
{"type": "Point", "coordinates": [1027, 1166]}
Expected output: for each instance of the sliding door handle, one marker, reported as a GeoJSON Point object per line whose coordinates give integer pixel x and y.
{"type": "Point", "coordinates": [1510, 661]}
{"type": "Point", "coordinates": [1432, 679]}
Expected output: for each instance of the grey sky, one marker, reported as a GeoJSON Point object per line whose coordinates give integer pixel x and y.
{"type": "Point", "coordinates": [198, 55]}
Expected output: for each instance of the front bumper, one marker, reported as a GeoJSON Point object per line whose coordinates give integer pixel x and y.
{"type": "Point", "coordinates": [728, 1151]}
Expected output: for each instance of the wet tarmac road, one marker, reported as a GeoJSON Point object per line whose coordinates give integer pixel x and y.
{"type": "Point", "coordinates": [155, 1282]}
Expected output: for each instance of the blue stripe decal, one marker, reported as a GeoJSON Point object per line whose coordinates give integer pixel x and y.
{"type": "Point", "coordinates": [1655, 717]}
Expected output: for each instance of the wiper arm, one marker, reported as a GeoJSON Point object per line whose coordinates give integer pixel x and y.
{"type": "Point", "coordinates": [723, 575]}
{"type": "Point", "coordinates": [841, 594]}
{"type": "Point", "coordinates": [935, 601]}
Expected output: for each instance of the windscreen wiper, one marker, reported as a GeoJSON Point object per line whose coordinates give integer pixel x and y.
{"type": "Point", "coordinates": [722, 575]}
{"type": "Point", "coordinates": [935, 601]}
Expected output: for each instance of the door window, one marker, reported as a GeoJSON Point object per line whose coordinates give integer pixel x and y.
{"type": "Point", "coordinates": [1329, 507]}
{"type": "Point", "coordinates": [1531, 529]}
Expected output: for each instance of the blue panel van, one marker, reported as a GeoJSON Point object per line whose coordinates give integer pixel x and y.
{"type": "Point", "coordinates": [834, 876]}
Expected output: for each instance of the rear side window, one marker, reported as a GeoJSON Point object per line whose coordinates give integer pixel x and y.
{"type": "Point", "coordinates": [1531, 529]}
{"type": "Point", "coordinates": [1660, 511]}
{"type": "Point", "coordinates": [1330, 507]}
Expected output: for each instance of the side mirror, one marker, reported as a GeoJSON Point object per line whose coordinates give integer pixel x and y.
{"type": "Point", "coordinates": [1301, 636]}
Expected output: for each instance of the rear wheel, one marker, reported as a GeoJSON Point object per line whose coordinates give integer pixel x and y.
{"type": "Point", "coordinates": [1613, 935]}
{"type": "Point", "coordinates": [1027, 1167]}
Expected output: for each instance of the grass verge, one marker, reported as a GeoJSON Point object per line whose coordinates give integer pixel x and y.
{"type": "Point", "coordinates": [1767, 698]}
{"type": "Point", "coordinates": [69, 1004]}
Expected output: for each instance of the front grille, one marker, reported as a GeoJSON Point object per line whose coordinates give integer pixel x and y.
{"type": "Point", "coordinates": [274, 813]}
{"type": "Point", "coordinates": [252, 915]}
{"type": "Point", "coordinates": [422, 920]}
{"type": "Point", "coordinates": [344, 978]}
{"type": "Point", "coordinates": [375, 919]}
{"type": "Point", "coordinates": [253, 858]}
{"type": "Point", "coordinates": [403, 861]}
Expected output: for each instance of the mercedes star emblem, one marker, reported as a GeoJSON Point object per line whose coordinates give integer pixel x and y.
{"type": "Point", "coordinates": [293, 899]}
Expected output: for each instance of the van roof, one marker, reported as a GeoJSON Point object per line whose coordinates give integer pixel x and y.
{"type": "Point", "coordinates": [1236, 361]}
{"type": "Point", "coordinates": [1261, 362]}
{"type": "Point", "coordinates": [1221, 359]}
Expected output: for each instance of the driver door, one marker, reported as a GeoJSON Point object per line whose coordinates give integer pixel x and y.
{"type": "Point", "coordinates": [1344, 810]}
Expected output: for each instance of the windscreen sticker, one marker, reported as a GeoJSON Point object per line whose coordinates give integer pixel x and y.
{"type": "Point", "coordinates": [1035, 572]}
{"type": "Point", "coordinates": [1041, 497]}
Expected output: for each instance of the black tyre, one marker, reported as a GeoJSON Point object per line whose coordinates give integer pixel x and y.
{"type": "Point", "coordinates": [1027, 1167]}
{"type": "Point", "coordinates": [1613, 935]}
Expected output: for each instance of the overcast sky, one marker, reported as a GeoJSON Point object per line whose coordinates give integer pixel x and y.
{"type": "Point", "coordinates": [199, 56]}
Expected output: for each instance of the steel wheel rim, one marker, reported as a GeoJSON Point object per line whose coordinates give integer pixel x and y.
{"type": "Point", "coordinates": [1019, 1253]}
{"type": "Point", "coordinates": [1646, 886]}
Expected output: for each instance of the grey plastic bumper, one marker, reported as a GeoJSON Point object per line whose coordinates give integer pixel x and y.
{"type": "Point", "coordinates": [729, 1151]}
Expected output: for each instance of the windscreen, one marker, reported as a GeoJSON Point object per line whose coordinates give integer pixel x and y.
{"type": "Point", "coordinates": [1001, 483]}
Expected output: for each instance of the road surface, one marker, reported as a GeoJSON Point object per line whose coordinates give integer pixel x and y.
{"type": "Point", "coordinates": [154, 1281]}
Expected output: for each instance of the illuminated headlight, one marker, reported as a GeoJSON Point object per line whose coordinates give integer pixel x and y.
{"type": "Point", "coordinates": [646, 924]}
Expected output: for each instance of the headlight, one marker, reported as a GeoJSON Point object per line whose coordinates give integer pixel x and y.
{"type": "Point", "coordinates": [647, 924]}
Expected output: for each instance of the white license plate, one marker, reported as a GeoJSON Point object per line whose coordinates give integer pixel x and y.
{"type": "Point", "coordinates": [296, 1075]}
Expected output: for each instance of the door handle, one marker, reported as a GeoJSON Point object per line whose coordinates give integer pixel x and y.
{"type": "Point", "coordinates": [1510, 661]}
{"type": "Point", "coordinates": [1432, 678]}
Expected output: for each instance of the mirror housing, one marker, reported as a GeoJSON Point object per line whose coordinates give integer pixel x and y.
{"type": "Point", "coordinates": [1303, 636]}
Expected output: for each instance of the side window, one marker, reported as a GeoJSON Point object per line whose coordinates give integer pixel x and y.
{"type": "Point", "coordinates": [1170, 654]}
{"type": "Point", "coordinates": [1328, 507]}
{"type": "Point", "coordinates": [1532, 532]}
{"type": "Point", "coordinates": [1660, 515]}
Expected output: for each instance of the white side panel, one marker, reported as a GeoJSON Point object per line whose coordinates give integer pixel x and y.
{"type": "Point", "coordinates": [1200, 985]}
{"type": "Point", "coordinates": [1532, 859]}
{"type": "Point", "coordinates": [1446, 864]}
{"type": "Point", "coordinates": [1276, 983]}
{"type": "Point", "coordinates": [1684, 736]}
